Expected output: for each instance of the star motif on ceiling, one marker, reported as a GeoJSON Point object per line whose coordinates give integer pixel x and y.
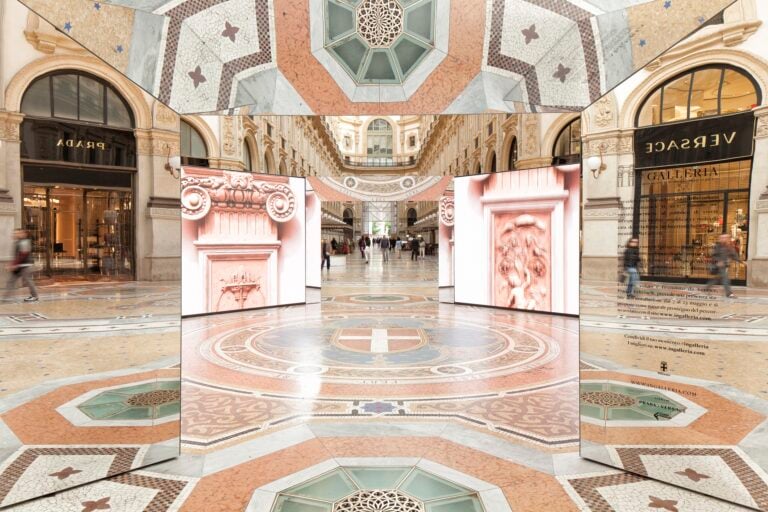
{"type": "Point", "coordinates": [97, 6]}
{"type": "Point", "coordinates": [119, 48]}
{"type": "Point", "coordinates": [100, 504]}
{"type": "Point", "coordinates": [68, 26]}
{"type": "Point", "coordinates": [701, 20]}
{"type": "Point", "coordinates": [669, 505]}
{"type": "Point", "coordinates": [561, 73]}
{"type": "Point", "coordinates": [197, 76]}
{"type": "Point", "coordinates": [668, 4]}
{"type": "Point", "coordinates": [65, 473]}
{"type": "Point", "coordinates": [643, 42]}
{"type": "Point", "coordinates": [692, 474]}
{"type": "Point", "coordinates": [230, 31]}
{"type": "Point", "coordinates": [530, 33]}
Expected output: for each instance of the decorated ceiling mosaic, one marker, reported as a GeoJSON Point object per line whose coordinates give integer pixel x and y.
{"type": "Point", "coordinates": [368, 56]}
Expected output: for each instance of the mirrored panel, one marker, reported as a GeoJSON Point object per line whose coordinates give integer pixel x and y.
{"type": "Point", "coordinates": [89, 317]}
{"type": "Point", "coordinates": [674, 306]}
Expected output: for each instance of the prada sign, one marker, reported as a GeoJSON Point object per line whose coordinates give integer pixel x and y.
{"type": "Point", "coordinates": [51, 140]}
{"type": "Point", "coordinates": [711, 139]}
{"type": "Point", "coordinates": [80, 143]}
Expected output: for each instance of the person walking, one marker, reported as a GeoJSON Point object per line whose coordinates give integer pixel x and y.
{"type": "Point", "coordinates": [722, 254]}
{"type": "Point", "coordinates": [422, 247]}
{"type": "Point", "coordinates": [399, 248]}
{"type": "Point", "coordinates": [415, 249]}
{"type": "Point", "coordinates": [361, 246]}
{"type": "Point", "coordinates": [326, 256]}
{"type": "Point", "coordinates": [21, 266]}
{"type": "Point", "coordinates": [385, 248]}
{"type": "Point", "coordinates": [367, 249]}
{"type": "Point", "coordinates": [631, 261]}
{"type": "Point", "coordinates": [334, 245]}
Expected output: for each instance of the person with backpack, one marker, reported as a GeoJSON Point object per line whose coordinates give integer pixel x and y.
{"type": "Point", "coordinates": [21, 266]}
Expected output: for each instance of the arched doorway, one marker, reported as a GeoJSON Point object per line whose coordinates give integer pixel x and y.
{"type": "Point", "coordinates": [348, 216]}
{"type": "Point", "coordinates": [411, 216]}
{"type": "Point", "coordinates": [688, 194]}
{"type": "Point", "coordinates": [78, 159]}
{"type": "Point", "coordinates": [567, 148]}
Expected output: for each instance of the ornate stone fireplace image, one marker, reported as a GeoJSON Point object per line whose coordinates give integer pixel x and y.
{"type": "Point", "coordinates": [516, 239]}
{"type": "Point", "coordinates": [243, 240]}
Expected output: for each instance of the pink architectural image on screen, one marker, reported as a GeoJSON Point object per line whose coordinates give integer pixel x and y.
{"type": "Point", "coordinates": [516, 239]}
{"type": "Point", "coordinates": [243, 240]}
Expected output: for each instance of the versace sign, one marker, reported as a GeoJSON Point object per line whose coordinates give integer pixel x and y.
{"type": "Point", "coordinates": [707, 140]}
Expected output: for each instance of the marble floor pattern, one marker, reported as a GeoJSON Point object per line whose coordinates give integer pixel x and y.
{"type": "Point", "coordinates": [89, 383]}
{"type": "Point", "coordinates": [379, 399]}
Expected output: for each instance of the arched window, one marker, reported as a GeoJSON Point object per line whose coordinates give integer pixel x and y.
{"type": "Point", "coordinates": [701, 92]}
{"type": "Point", "coordinates": [247, 162]}
{"type": "Point", "coordinates": [492, 166]}
{"type": "Point", "coordinates": [379, 137]}
{"type": "Point", "coordinates": [512, 154]}
{"type": "Point", "coordinates": [567, 148]}
{"type": "Point", "coordinates": [193, 149]}
{"type": "Point", "coordinates": [478, 170]}
{"type": "Point", "coordinates": [411, 216]}
{"type": "Point", "coordinates": [269, 162]}
{"type": "Point", "coordinates": [348, 216]}
{"type": "Point", "coordinates": [76, 96]}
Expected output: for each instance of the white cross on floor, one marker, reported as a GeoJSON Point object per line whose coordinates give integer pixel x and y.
{"type": "Point", "coordinates": [379, 340]}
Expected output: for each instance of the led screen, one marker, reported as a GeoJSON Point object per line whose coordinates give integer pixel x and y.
{"type": "Point", "coordinates": [243, 240]}
{"type": "Point", "coordinates": [516, 239]}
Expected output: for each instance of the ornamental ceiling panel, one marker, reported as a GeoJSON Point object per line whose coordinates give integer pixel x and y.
{"type": "Point", "coordinates": [375, 56]}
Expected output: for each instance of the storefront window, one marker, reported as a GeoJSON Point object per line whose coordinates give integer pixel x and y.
{"type": "Point", "coordinates": [682, 212]}
{"type": "Point", "coordinates": [702, 92]}
{"type": "Point", "coordinates": [567, 148]}
{"type": "Point", "coordinates": [193, 149]}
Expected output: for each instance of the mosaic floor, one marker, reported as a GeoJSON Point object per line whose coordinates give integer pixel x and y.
{"type": "Point", "coordinates": [89, 384]}
{"type": "Point", "coordinates": [681, 404]}
{"type": "Point", "coordinates": [378, 399]}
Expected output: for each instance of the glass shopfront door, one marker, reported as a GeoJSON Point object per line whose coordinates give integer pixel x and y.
{"type": "Point", "coordinates": [681, 213]}
{"type": "Point", "coordinates": [80, 232]}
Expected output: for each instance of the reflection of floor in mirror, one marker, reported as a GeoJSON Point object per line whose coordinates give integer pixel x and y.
{"type": "Point", "coordinates": [89, 384]}
{"type": "Point", "coordinates": [683, 404]}
{"type": "Point", "coordinates": [381, 397]}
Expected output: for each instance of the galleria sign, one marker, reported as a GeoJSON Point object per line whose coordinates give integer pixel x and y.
{"type": "Point", "coordinates": [685, 173]}
{"type": "Point", "coordinates": [711, 139]}
{"type": "Point", "coordinates": [80, 143]}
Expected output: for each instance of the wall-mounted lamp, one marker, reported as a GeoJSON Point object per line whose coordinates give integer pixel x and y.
{"type": "Point", "coordinates": [596, 164]}
{"type": "Point", "coordinates": [172, 163]}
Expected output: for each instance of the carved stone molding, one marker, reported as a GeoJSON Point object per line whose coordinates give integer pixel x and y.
{"type": "Point", "coordinates": [531, 134]}
{"type": "Point", "coordinates": [9, 126]}
{"type": "Point", "coordinates": [157, 143]}
{"type": "Point", "coordinates": [603, 112]}
{"type": "Point", "coordinates": [165, 117]}
{"type": "Point", "coordinates": [235, 191]}
{"type": "Point", "coordinates": [446, 210]}
{"type": "Point", "coordinates": [46, 39]}
{"type": "Point", "coordinates": [762, 124]}
{"type": "Point", "coordinates": [228, 135]}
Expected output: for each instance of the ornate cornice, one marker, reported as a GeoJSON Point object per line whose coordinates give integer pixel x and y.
{"type": "Point", "coordinates": [446, 211]}
{"type": "Point", "coordinates": [235, 191]}
{"type": "Point", "coordinates": [730, 34]}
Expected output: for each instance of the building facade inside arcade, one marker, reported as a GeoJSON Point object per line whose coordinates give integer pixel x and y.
{"type": "Point", "coordinates": [412, 294]}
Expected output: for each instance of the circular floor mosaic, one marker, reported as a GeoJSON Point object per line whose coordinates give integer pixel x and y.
{"type": "Point", "coordinates": [354, 347]}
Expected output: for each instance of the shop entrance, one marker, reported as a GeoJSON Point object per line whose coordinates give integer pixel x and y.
{"type": "Point", "coordinates": [81, 232]}
{"type": "Point", "coordinates": [681, 213]}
